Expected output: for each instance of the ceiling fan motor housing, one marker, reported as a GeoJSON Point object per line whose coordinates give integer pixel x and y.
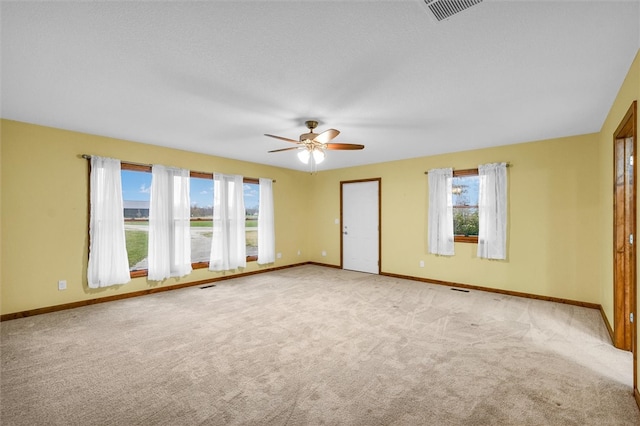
{"type": "Point", "coordinates": [311, 124]}
{"type": "Point", "coordinates": [307, 136]}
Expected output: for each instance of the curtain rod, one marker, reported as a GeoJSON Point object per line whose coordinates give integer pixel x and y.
{"type": "Point", "coordinates": [88, 157]}
{"type": "Point", "coordinates": [508, 165]}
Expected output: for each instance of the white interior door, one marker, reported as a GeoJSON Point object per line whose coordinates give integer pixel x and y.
{"type": "Point", "coordinates": [361, 226]}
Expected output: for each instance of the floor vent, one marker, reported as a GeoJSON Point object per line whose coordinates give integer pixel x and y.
{"type": "Point", "coordinates": [443, 9]}
{"type": "Point", "coordinates": [459, 289]}
{"type": "Point", "coordinates": [207, 286]}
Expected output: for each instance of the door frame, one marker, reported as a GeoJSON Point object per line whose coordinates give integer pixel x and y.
{"type": "Point", "coordinates": [625, 288]}
{"type": "Point", "coordinates": [346, 182]}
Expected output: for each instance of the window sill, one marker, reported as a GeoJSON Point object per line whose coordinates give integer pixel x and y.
{"type": "Point", "coordinates": [199, 265]}
{"type": "Point", "coordinates": [138, 273]}
{"type": "Point", "coordinates": [465, 239]}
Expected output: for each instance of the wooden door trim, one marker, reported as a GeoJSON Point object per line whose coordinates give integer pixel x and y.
{"type": "Point", "coordinates": [623, 228]}
{"type": "Point", "coordinates": [627, 127]}
{"type": "Point", "coordinates": [379, 180]}
{"type": "Point", "coordinates": [624, 299]}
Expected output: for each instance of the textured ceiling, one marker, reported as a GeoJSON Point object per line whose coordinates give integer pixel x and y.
{"type": "Point", "coordinates": [213, 77]}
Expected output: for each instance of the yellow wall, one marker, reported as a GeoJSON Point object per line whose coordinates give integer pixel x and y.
{"type": "Point", "coordinates": [552, 212]}
{"type": "Point", "coordinates": [560, 213]}
{"type": "Point", "coordinates": [45, 211]}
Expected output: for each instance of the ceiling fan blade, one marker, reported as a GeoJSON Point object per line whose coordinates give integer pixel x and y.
{"type": "Point", "coordinates": [326, 136]}
{"type": "Point", "coordinates": [282, 139]}
{"type": "Point", "coordinates": [285, 149]}
{"type": "Point", "coordinates": [350, 146]}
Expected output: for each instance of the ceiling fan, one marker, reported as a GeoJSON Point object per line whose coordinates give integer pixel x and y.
{"type": "Point", "coordinates": [313, 145]}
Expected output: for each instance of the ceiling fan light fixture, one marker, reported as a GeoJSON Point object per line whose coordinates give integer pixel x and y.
{"type": "Point", "coordinates": [318, 156]}
{"type": "Point", "coordinates": [304, 156]}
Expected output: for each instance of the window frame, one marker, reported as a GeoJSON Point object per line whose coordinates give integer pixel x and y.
{"type": "Point", "coordinates": [192, 174]}
{"type": "Point", "coordinates": [463, 238]}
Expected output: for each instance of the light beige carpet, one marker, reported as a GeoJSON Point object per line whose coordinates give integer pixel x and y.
{"type": "Point", "coordinates": [315, 345]}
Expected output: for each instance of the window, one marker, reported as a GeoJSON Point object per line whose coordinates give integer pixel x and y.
{"type": "Point", "coordinates": [465, 187]}
{"type": "Point", "coordinates": [136, 192]}
{"type": "Point", "coordinates": [201, 197]}
{"type": "Point", "coordinates": [251, 206]}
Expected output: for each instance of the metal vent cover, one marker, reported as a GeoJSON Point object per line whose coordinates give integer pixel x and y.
{"type": "Point", "coordinates": [443, 9]}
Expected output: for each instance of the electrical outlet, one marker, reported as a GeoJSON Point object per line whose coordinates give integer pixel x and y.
{"type": "Point", "coordinates": [279, 255]}
{"type": "Point", "coordinates": [298, 252]}
{"type": "Point", "coordinates": [62, 285]}
{"type": "Point", "coordinates": [324, 253]}
{"type": "Point", "coordinates": [422, 263]}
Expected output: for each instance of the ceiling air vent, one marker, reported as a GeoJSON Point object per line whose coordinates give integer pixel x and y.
{"type": "Point", "coordinates": [443, 9]}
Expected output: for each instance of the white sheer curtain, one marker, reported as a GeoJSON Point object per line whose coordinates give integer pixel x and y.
{"type": "Point", "coordinates": [440, 212]}
{"type": "Point", "coordinates": [169, 224]}
{"type": "Point", "coordinates": [108, 263]}
{"type": "Point", "coordinates": [266, 230]}
{"type": "Point", "coordinates": [492, 211]}
{"type": "Point", "coordinates": [228, 244]}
